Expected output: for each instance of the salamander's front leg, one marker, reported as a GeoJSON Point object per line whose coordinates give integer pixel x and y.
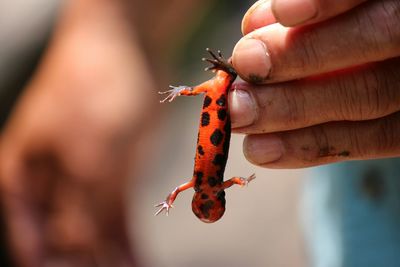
{"type": "Point", "coordinates": [239, 181]}
{"type": "Point", "coordinates": [167, 204]}
{"type": "Point", "coordinates": [174, 92]}
{"type": "Point", "coordinates": [185, 90]}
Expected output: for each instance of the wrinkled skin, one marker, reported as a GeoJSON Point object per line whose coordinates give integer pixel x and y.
{"type": "Point", "coordinates": [327, 85]}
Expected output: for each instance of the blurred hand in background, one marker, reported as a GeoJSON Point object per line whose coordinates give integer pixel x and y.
{"type": "Point", "coordinates": [76, 135]}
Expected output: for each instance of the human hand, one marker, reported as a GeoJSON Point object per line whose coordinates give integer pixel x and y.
{"type": "Point", "coordinates": [328, 85]}
{"type": "Point", "coordinates": [68, 148]}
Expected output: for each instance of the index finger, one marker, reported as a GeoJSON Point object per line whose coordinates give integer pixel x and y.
{"type": "Point", "coordinates": [275, 53]}
{"type": "Point", "coordinates": [293, 12]}
{"type": "Point", "coordinates": [302, 12]}
{"type": "Point", "coordinates": [258, 15]}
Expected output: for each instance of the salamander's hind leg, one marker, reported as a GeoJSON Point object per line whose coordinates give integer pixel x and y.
{"type": "Point", "coordinates": [167, 203]}
{"type": "Point", "coordinates": [239, 181]}
{"type": "Point", "coordinates": [218, 62]}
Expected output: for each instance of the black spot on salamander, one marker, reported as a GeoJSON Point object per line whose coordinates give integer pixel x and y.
{"type": "Point", "coordinates": [204, 196]}
{"type": "Point", "coordinates": [219, 160]}
{"type": "Point", "coordinates": [221, 101]}
{"type": "Point", "coordinates": [207, 101]}
{"type": "Point", "coordinates": [205, 119]}
{"type": "Point", "coordinates": [200, 150]}
{"type": "Point", "coordinates": [216, 137]}
{"type": "Point", "coordinates": [227, 140]}
{"type": "Point", "coordinates": [212, 181]}
{"type": "Point", "coordinates": [225, 147]}
{"type": "Point", "coordinates": [199, 175]}
{"type": "Point", "coordinates": [205, 208]}
{"type": "Point", "coordinates": [227, 126]}
{"type": "Point", "coordinates": [221, 197]}
{"type": "Point", "coordinates": [222, 114]}
{"type": "Point", "coordinates": [220, 175]}
{"type": "Point", "coordinates": [198, 181]}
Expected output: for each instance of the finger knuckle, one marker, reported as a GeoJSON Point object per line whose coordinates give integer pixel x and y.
{"type": "Point", "coordinates": [354, 140]}
{"type": "Point", "coordinates": [316, 147]}
{"type": "Point", "coordinates": [295, 112]}
{"type": "Point", "coordinates": [349, 104]}
{"type": "Point", "coordinates": [375, 100]}
{"type": "Point", "coordinates": [309, 51]}
{"type": "Point", "coordinates": [381, 95]}
{"type": "Point", "coordinates": [389, 25]}
{"type": "Point", "coordinates": [365, 105]}
{"type": "Point", "coordinates": [369, 93]}
{"type": "Point", "coordinates": [386, 134]}
{"type": "Point", "coordinates": [374, 138]}
{"type": "Point", "coordinates": [378, 25]}
{"type": "Point", "coordinates": [323, 148]}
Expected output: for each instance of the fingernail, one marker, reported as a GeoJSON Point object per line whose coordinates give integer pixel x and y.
{"type": "Point", "coordinates": [242, 108]}
{"type": "Point", "coordinates": [257, 16]}
{"type": "Point", "coordinates": [251, 60]}
{"type": "Point", "coordinates": [262, 149]}
{"type": "Point", "coordinates": [293, 12]}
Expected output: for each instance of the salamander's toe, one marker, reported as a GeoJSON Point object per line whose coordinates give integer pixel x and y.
{"type": "Point", "coordinates": [251, 177]}
{"type": "Point", "coordinates": [164, 206]}
{"type": "Point", "coordinates": [172, 93]}
{"type": "Point", "coordinates": [218, 62]}
{"type": "Point", "coordinates": [247, 180]}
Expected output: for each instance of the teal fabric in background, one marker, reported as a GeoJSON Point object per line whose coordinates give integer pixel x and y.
{"type": "Point", "coordinates": [352, 214]}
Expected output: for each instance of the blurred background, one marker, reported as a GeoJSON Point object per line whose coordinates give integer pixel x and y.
{"type": "Point", "coordinates": [261, 226]}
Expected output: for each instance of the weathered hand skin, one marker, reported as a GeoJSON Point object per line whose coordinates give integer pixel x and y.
{"type": "Point", "coordinates": [332, 88]}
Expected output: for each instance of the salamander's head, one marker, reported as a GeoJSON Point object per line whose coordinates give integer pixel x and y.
{"type": "Point", "coordinates": [209, 207]}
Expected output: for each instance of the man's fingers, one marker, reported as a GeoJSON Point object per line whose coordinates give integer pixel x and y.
{"type": "Point", "coordinates": [24, 188]}
{"type": "Point", "coordinates": [21, 218]}
{"type": "Point", "coordinates": [23, 232]}
{"type": "Point", "coordinates": [258, 15]}
{"type": "Point", "coordinates": [301, 12]}
{"type": "Point", "coordinates": [360, 94]}
{"type": "Point", "coordinates": [293, 13]}
{"type": "Point", "coordinates": [367, 33]}
{"type": "Point", "coordinates": [326, 143]}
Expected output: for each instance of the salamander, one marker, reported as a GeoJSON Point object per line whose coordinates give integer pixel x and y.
{"type": "Point", "coordinates": [214, 135]}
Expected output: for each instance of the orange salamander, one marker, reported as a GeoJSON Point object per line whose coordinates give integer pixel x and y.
{"type": "Point", "coordinates": [208, 202]}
